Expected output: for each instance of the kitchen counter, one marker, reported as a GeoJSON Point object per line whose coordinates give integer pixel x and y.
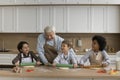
{"type": "Point", "coordinates": [16, 52]}
{"type": "Point", "coordinates": [50, 72]}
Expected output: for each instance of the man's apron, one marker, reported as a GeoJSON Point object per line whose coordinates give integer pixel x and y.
{"type": "Point", "coordinates": [50, 52]}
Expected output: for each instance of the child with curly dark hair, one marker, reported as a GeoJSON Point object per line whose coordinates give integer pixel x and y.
{"type": "Point", "coordinates": [97, 55]}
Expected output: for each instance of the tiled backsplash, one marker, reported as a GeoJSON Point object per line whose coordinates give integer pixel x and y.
{"type": "Point", "coordinates": [10, 40]}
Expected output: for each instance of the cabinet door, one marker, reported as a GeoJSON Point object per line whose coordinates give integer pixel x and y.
{"type": "Point", "coordinates": [51, 15]}
{"type": "Point", "coordinates": [113, 1]}
{"type": "Point", "coordinates": [24, 1]}
{"type": "Point", "coordinates": [6, 1]}
{"type": "Point", "coordinates": [51, 1]}
{"type": "Point", "coordinates": [98, 19]}
{"type": "Point", "coordinates": [78, 19]}
{"type": "Point", "coordinates": [7, 58]}
{"type": "Point", "coordinates": [26, 19]}
{"type": "Point", "coordinates": [78, 1]}
{"type": "Point", "coordinates": [8, 19]}
{"type": "Point", "coordinates": [43, 17]}
{"type": "Point", "coordinates": [1, 17]}
{"type": "Point", "coordinates": [98, 1]}
{"type": "Point", "coordinates": [113, 24]}
{"type": "Point", "coordinates": [58, 18]}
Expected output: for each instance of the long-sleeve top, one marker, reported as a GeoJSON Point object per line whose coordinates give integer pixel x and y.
{"type": "Point", "coordinates": [41, 43]}
{"type": "Point", "coordinates": [105, 57]}
{"type": "Point", "coordinates": [30, 54]}
{"type": "Point", "coordinates": [70, 58]}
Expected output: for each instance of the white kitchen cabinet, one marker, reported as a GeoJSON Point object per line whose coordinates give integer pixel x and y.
{"type": "Point", "coordinates": [113, 1]}
{"type": "Point", "coordinates": [7, 19]}
{"type": "Point", "coordinates": [26, 19]}
{"type": "Point", "coordinates": [7, 58]}
{"type": "Point", "coordinates": [98, 1]}
{"type": "Point", "coordinates": [43, 17]}
{"type": "Point", "coordinates": [24, 1]}
{"type": "Point", "coordinates": [98, 19]}
{"type": "Point", "coordinates": [105, 1]}
{"type": "Point", "coordinates": [58, 18]}
{"type": "Point", "coordinates": [78, 1]}
{"type": "Point", "coordinates": [104, 19]}
{"type": "Point", "coordinates": [78, 19]}
{"type": "Point", "coordinates": [66, 19]}
{"type": "Point", "coordinates": [6, 1]}
{"type": "Point", "coordinates": [51, 1]}
{"type": "Point", "coordinates": [51, 15]}
{"type": "Point", "coordinates": [113, 19]}
{"type": "Point", "coordinates": [1, 16]}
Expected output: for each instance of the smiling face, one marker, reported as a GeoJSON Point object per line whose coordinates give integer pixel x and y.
{"type": "Point", "coordinates": [95, 45]}
{"type": "Point", "coordinates": [25, 48]}
{"type": "Point", "coordinates": [49, 35]}
{"type": "Point", "coordinates": [64, 48]}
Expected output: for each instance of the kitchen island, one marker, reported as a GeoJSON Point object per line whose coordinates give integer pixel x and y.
{"type": "Point", "coordinates": [50, 73]}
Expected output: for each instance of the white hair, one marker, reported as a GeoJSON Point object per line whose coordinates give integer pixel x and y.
{"type": "Point", "coordinates": [49, 29]}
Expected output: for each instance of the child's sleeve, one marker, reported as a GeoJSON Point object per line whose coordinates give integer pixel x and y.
{"type": "Point", "coordinates": [106, 58]}
{"type": "Point", "coordinates": [84, 58]}
{"type": "Point", "coordinates": [16, 59]}
{"type": "Point", "coordinates": [57, 59]}
{"type": "Point", "coordinates": [74, 60]}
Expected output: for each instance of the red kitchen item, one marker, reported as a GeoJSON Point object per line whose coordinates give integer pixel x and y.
{"type": "Point", "coordinates": [101, 71]}
{"type": "Point", "coordinates": [28, 70]}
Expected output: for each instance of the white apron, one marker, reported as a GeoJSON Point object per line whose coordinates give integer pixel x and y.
{"type": "Point", "coordinates": [64, 60]}
{"type": "Point", "coordinates": [26, 60]}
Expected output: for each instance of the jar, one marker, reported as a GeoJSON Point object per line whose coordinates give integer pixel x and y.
{"type": "Point", "coordinates": [118, 60]}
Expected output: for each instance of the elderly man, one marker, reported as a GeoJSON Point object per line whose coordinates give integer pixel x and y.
{"type": "Point", "coordinates": [49, 44]}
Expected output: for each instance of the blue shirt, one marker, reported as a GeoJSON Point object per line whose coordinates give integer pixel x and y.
{"type": "Point", "coordinates": [41, 43]}
{"type": "Point", "coordinates": [70, 58]}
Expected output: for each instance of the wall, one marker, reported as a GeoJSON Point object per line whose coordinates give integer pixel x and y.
{"type": "Point", "coordinates": [10, 40]}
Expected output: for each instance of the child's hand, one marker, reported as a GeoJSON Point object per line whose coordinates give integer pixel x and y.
{"type": "Point", "coordinates": [81, 65]}
{"type": "Point", "coordinates": [54, 64]}
{"type": "Point", "coordinates": [17, 70]}
{"type": "Point", "coordinates": [17, 63]}
{"type": "Point", "coordinates": [104, 65]}
{"type": "Point", "coordinates": [38, 63]}
{"type": "Point", "coordinates": [75, 65]}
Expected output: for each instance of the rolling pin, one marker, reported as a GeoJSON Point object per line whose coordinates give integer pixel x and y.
{"type": "Point", "coordinates": [91, 66]}
{"type": "Point", "coordinates": [28, 64]}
